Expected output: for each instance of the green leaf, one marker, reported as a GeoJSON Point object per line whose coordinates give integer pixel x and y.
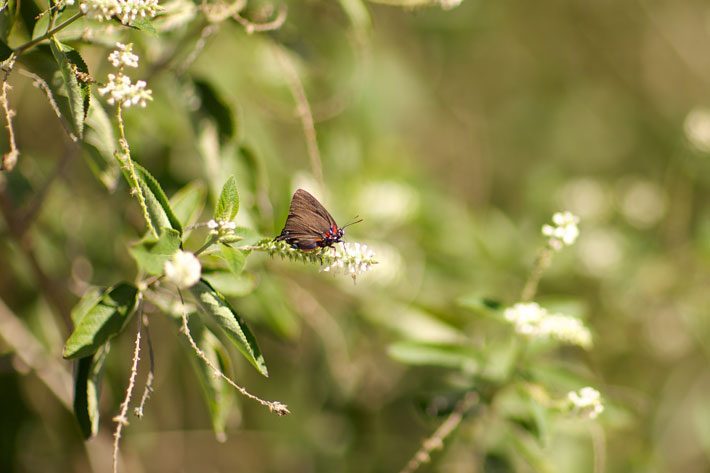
{"type": "Point", "coordinates": [145, 25]}
{"type": "Point", "coordinates": [213, 106]}
{"type": "Point", "coordinates": [159, 210]}
{"type": "Point", "coordinates": [436, 354]}
{"type": "Point", "coordinates": [87, 302]}
{"type": "Point", "coordinates": [78, 93]}
{"type": "Point", "coordinates": [5, 51]}
{"type": "Point", "coordinates": [151, 254]}
{"type": "Point", "coordinates": [102, 322]}
{"type": "Point", "coordinates": [228, 203]}
{"type": "Point", "coordinates": [234, 258]}
{"type": "Point", "coordinates": [219, 396]}
{"type": "Point", "coordinates": [8, 15]}
{"type": "Point", "coordinates": [99, 146]}
{"type": "Point", "coordinates": [230, 285]}
{"type": "Point", "coordinates": [480, 304]}
{"type": "Point", "coordinates": [87, 390]}
{"type": "Point", "coordinates": [238, 332]}
{"type": "Point", "coordinates": [188, 202]}
{"type": "Point", "coordinates": [41, 27]}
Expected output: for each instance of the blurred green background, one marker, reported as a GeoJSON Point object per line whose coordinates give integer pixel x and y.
{"type": "Point", "coordinates": [455, 134]}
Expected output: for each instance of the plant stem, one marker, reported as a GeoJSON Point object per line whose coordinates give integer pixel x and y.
{"type": "Point", "coordinates": [30, 44]}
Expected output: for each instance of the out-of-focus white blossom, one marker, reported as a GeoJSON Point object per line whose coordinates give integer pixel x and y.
{"type": "Point", "coordinates": [348, 258]}
{"type": "Point", "coordinates": [564, 232]}
{"type": "Point", "coordinates": [389, 202]}
{"type": "Point", "coordinates": [697, 129]}
{"type": "Point", "coordinates": [123, 56]}
{"type": "Point", "coordinates": [183, 269]}
{"type": "Point", "coordinates": [121, 91]}
{"type": "Point", "coordinates": [125, 10]}
{"type": "Point", "coordinates": [642, 202]}
{"type": "Point", "coordinates": [449, 4]}
{"type": "Point", "coordinates": [531, 320]}
{"type": "Point", "coordinates": [587, 402]}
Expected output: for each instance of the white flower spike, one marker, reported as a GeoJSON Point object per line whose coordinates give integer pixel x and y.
{"type": "Point", "coordinates": [564, 232]}
{"type": "Point", "coordinates": [183, 269]}
{"type": "Point", "coordinates": [531, 320]}
{"type": "Point", "coordinates": [127, 11]}
{"type": "Point", "coordinates": [123, 56]}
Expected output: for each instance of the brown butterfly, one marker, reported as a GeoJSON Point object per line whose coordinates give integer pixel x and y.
{"type": "Point", "coordinates": [309, 225]}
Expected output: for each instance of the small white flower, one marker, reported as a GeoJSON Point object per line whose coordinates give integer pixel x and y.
{"type": "Point", "coordinates": [221, 227]}
{"type": "Point", "coordinates": [183, 269]}
{"type": "Point", "coordinates": [350, 258]}
{"type": "Point", "coordinates": [69, 2]}
{"type": "Point", "coordinates": [449, 4]}
{"type": "Point", "coordinates": [125, 10]}
{"type": "Point", "coordinates": [121, 91]}
{"type": "Point", "coordinates": [531, 320]}
{"type": "Point", "coordinates": [587, 402]}
{"type": "Point", "coordinates": [564, 232]}
{"type": "Point", "coordinates": [123, 56]}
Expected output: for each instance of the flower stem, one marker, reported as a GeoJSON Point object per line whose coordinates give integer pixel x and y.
{"type": "Point", "coordinates": [544, 258]}
{"type": "Point", "coordinates": [30, 44]}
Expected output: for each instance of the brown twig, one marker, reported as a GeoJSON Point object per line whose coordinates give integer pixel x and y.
{"type": "Point", "coordinates": [9, 159]}
{"type": "Point", "coordinates": [148, 389]}
{"type": "Point", "coordinates": [256, 27]}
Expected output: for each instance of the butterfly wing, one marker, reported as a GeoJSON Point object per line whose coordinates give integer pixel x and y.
{"type": "Point", "coordinates": [307, 222]}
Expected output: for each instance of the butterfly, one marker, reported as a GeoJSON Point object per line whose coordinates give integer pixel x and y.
{"type": "Point", "coordinates": [309, 225]}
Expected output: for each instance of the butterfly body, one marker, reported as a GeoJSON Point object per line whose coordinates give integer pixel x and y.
{"type": "Point", "coordinates": [309, 225]}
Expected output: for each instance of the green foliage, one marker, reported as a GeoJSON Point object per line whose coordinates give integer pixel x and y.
{"type": "Point", "coordinates": [101, 319]}
{"type": "Point", "coordinates": [159, 210]}
{"type": "Point", "coordinates": [87, 390]}
{"type": "Point", "coordinates": [78, 93]}
{"type": "Point", "coordinates": [216, 306]}
{"type": "Point", "coordinates": [151, 254]}
{"type": "Point", "coordinates": [228, 203]}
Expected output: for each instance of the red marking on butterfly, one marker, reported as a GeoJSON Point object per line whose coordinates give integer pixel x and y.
{"type": "Point", "coordinates": [309, 225]}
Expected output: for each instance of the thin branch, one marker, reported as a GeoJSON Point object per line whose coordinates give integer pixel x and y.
{"type": "Point", "coordinates": [255, 27]}
{"type": "Point", "coordinates": [44, 87]}
{"type": "Point", "coordinates": [30, 44]}
{"type": "Point", "coordinates": [542, 262]}
{"type": "Point", "coordinates": [436, 441]}
{"type": "Point", "coordinates": [274, 406]}
{"type": "Point", "coordinates": [9, 159]}
{"type": "Point", "coordinates": [148, 389]}
{"type": "Point", "coordinates": [121, 419]}
{"type": "Point", "coordinates": [303, 110]}
{"type": "Point", "coordinates": [199, 46]}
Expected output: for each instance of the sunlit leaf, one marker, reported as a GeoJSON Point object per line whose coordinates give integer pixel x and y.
{"type": "Point", "coordinates": [102, 322]}
{"type": "Point", "coordinates": [151, 254]}
{"type": "Point", "coordinates": [228, 203]}
{"type": "Point", "coordinates": [236, 329]}
{"type": "Point", "coordinates": [159, 210]}
{"type": "Point", "coordinates": [78, 92]}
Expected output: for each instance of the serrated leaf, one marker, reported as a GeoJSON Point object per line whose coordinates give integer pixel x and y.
{"type": "Point", "coordinates": [144, 24]}
{"type": "Point", "coordinates": [159, 210]}
{"type": "Point", "coordinates": [151, 254]}
{"type": "Point", "coordinates": [78, 93]}
{"type": "Point", "coordinates": [432, 354]}
{"type": "Point", "coordinates": [102, 322]}
{"type": "Point", "coordinates": [236, 329]}
{"type": "Point", "coordinates": [218, 394]}
{"type": "Point", "coordinates": [99, 146]}
{"type": "Point", "coordinates": [188, 202]}
{"type": "Point", "coordinates": [234, 258]}
{"type": "Point", "coordinates": [214, 107]}
{"type": "Point", "coordinates": [228, 203]}
{"type": "Point", "coordinates": [87, 302]}
{"type": "Point", "coordinates": [87, 391]}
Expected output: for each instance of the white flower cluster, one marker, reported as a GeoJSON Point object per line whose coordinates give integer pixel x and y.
{"type": "Point", "coordinates": [123, 56]}
{"type": "Point", "coordinates": [221, 227]}
{"type": "Point", "coordinates": [587, 402]}
{"type": "Point", "coordinates": [183, 269]}
{"type": "Point", "coordinates": [351, 258]}
{"type": "Point", "coordinates": [120, 89]}
{"type": "Point", "coordinates": [564, 232]}
{"type": "Point", "coordinates": [125, 10]}
{"type": "Point", "coordinates": [347, 258]}
{"type": "Point", "coordinates": [531, 320]}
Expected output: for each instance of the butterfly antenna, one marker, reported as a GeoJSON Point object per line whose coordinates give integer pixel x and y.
{"type": "Point", "coordinates": [353, 222]}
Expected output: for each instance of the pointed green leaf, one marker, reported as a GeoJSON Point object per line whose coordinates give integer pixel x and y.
{"type": "Point", "coordinates": [436, 354]}
{"type": "Point", "coordinates": [99, 146]}
{"type": "Point", "coordinates": [87, 391]}
{"type": "Point", "coordinates": [151, 254]}
{"type": "Point", "coordinates": [230, 285]}
{"type": "Point", "coordinates": [159, 210]}
{"type": "Point", "coordinates": [236, 329]}
{"type": "Point", "coordinates": [228, 203]}
{"type": "Point", "coordinates": [188, 202]}
{"type": "Point", "coordinates": [218, 394]}
{"type": "Point", "coordinates": [234, 258]}
{"type": "Point", "coordinates": [103, 321]}
{"type": "Point", "coordinates": [87, 302]}
{"type": "Point", "coordinates": [78, 93]}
